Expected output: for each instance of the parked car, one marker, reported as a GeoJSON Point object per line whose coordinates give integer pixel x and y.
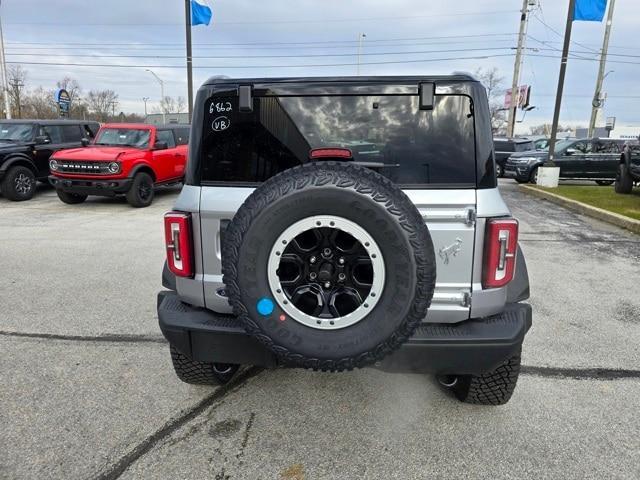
{"type": "Point", "coordinates": [124, 159]}
{"type": "Point", "coordinates": [25, 148]}
{"type": "Point", "coordinates": [287, 248]}
{"type": "Point", "coordinates": [505, 147]}
{"type": "Point", "coordinates": [579, 159]}
{"type": "Point", "coordinates": [628, 168]}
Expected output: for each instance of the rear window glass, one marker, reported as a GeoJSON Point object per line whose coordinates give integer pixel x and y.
{"type": "Point", "coordinates": [503, 146]}
{"type": "Point", "coordinates": [389, 134]}
{"type": "Point", "coordinates": [524, 146]}
{"type": "Point", "coordinates": [182, 136]}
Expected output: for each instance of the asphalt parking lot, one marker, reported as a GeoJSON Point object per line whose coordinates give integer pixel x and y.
{"type": "Point", "coordinates": [87, 389]}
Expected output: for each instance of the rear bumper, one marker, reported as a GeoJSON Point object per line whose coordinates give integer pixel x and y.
{"type": "Point", "coordinates": [91, 186]}
{"type": "Point", "coordinates": [471, 347]}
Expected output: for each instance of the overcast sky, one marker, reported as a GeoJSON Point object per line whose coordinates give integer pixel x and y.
{"type": "Point", "coordinates": [297, 35]}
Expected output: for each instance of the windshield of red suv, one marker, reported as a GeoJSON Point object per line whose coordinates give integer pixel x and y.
{"type": "Point", "coordinates": [129, 137]}
{"type": "Point", "coordinates": [16, 132]}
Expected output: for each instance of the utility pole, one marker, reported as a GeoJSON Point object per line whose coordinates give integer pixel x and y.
{"type": "Point", "coordinates": [597, 100]}
{"type": "Point", "coordinates": [145, 100]}
{"type": "Point", "coordinates": [187, 14]}
{"type": "Point", "coordinates": [563, 71]}
{"type": "Point", "coordinates": [361, 36]}
{"type": "Point", "coordinates": [16, 86]}
{"type": "Point", "coordinates": [515, 90]}
{"type": "Point", "coordinates": [3, 66]}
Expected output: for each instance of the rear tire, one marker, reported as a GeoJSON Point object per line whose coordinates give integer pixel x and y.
{"type": "Point", "coordinates": [499, 171]}
{"type": "Point", "coordinates": [492, 388]}
{"type": "Point", "coordinates": [19, 184]}
{"type": "Point", "coordinates": [624, 182]}
{"type": "Point", "coordinates": [71, 198]}
{"type": "Point", "coordinates": [141, 192]}
{"type": "Point", "coordinates": [604, 183]}
{"type": "Point", "coordinates": [201, 373]}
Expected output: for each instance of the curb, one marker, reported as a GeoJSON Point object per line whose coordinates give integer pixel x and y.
{"type": "Point", "coordinates": [594, 212]}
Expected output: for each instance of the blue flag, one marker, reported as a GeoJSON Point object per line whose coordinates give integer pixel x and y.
{"type": "Point", "coordinates": [200, 14]}
{"type": "Point", "coordinates": [590, 10]}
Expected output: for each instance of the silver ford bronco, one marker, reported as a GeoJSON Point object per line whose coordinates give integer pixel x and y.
{"type": "Point", "coordinates": [335, 223]}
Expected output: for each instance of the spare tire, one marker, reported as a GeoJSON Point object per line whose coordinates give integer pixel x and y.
{"type": "Point", "coordinates": [329, 265]}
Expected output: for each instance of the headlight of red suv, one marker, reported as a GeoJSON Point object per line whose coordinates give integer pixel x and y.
{"type": "Point", "coordinates": [53, 165]}
{"type": "Point", "coordinates": [113, 167]}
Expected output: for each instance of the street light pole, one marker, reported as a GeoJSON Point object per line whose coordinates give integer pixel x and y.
{"type": "Point", "coordinates": [145, 100]}
{"type": "Point", "coordinates": [3, 66]}
{"type": "Point", "coordinates": [596, 104]}
{"type": "Point", "coordinates": [164, 120]}
{"type": "Point", "coordinates": [361, 36]}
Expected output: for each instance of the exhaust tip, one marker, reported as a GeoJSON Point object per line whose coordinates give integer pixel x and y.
{"type": "Point", "coordinates": [447, 381]}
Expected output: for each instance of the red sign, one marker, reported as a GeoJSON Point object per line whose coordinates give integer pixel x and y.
{"type": "Point", "coordinates": [524, 92]}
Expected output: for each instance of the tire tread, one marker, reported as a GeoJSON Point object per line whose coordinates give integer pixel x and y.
{"type": "Point", "coordinates": [365, 182]}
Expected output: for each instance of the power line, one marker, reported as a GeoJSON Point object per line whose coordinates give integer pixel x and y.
{"type": "Point", "coordinates": [561, 35]}
{"type": "Point", "coordinates": [55, 45]}
{"type": "Point", "coordinates": [479, 57]}
{"type": "Point", "coordinates": [316, 55]}
{"type": "Point", "coordinates": [267, 21]}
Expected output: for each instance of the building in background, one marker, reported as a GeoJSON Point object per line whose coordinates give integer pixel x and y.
{"type": "Point", "coordinates": [171, 118]}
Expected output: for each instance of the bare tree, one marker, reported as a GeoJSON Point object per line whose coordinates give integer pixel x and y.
{"type": "Point", "coordinates": [102, 104]}
{"type": "Point", "coordinates": [39, 103]}
{"type": "Point", "coordinates": [17, 80]}
{"type": "Point", "coordinates": [494, 85]}
{"type": "Point", "coordinates": [171, 105]}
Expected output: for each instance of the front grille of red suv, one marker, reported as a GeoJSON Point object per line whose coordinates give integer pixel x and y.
{"type": "Point", "coordinates": [79, 166]}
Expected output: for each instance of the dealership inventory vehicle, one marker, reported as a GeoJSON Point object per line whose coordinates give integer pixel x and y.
{"type": "Point", "coordinates": [335, 223]}
{"type": "Point", "coordinates": [628, 172]}
{"type": "Point", "coordinates": [505, 147]}
{"type": "Point", "coordinates": [579, 159]}
{"type": "Point", "coordinates": [25, 148]}
{"type": "Point", "coordinates": [125, 159]}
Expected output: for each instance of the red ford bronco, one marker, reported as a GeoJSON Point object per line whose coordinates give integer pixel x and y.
{"type": "Point", "coordinates": [124, 159]}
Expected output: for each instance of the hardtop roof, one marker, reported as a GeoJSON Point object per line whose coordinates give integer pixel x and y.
{"type": "Point", "coordinates": [61, 121]}
{"type": "Point", "coordinates": [457, 77]}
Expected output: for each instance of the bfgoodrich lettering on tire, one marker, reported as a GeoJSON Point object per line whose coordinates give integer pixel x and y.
{"type": "Point", "coordinates": [329, 265]}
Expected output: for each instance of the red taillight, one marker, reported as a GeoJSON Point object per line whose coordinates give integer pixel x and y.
{"type": "Point", "coordinates": [330, 153]}
{"type": "Point", "coordinates": [500, 246]}
{"type": "Point", "coordinates": [177, 238]}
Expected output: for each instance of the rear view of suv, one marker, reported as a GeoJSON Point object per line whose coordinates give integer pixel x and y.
{"type": "Point", "coordinates": [336, 223]}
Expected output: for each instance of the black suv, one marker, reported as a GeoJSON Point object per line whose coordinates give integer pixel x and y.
{"type": "Point", "coordinates": [25, 148]}
{"type": "Point", "coordinates": [579, 159]}
{"type": "Point", "coordinates": [629, 168]}
{"type": "Point", "coordinates": [505, 147]}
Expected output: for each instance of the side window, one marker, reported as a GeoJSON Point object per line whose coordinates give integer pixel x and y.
{"type": "Point", "coordinates": [89, 130]}
{"type": "Point", "coordinates": [182, 136]}
{"type": "Point", "coordinates": [582, 147]}
{"type": "Point", "coordinates": [71, 133]}
{"type": "Point", "coordinates": [54, 132]}
{"type": "Point", "coordinates": [501, 146]}
{"type": "Point", "coordinates": [167, 137]}
{"type": "Point", "coordinates": [606, 147]}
